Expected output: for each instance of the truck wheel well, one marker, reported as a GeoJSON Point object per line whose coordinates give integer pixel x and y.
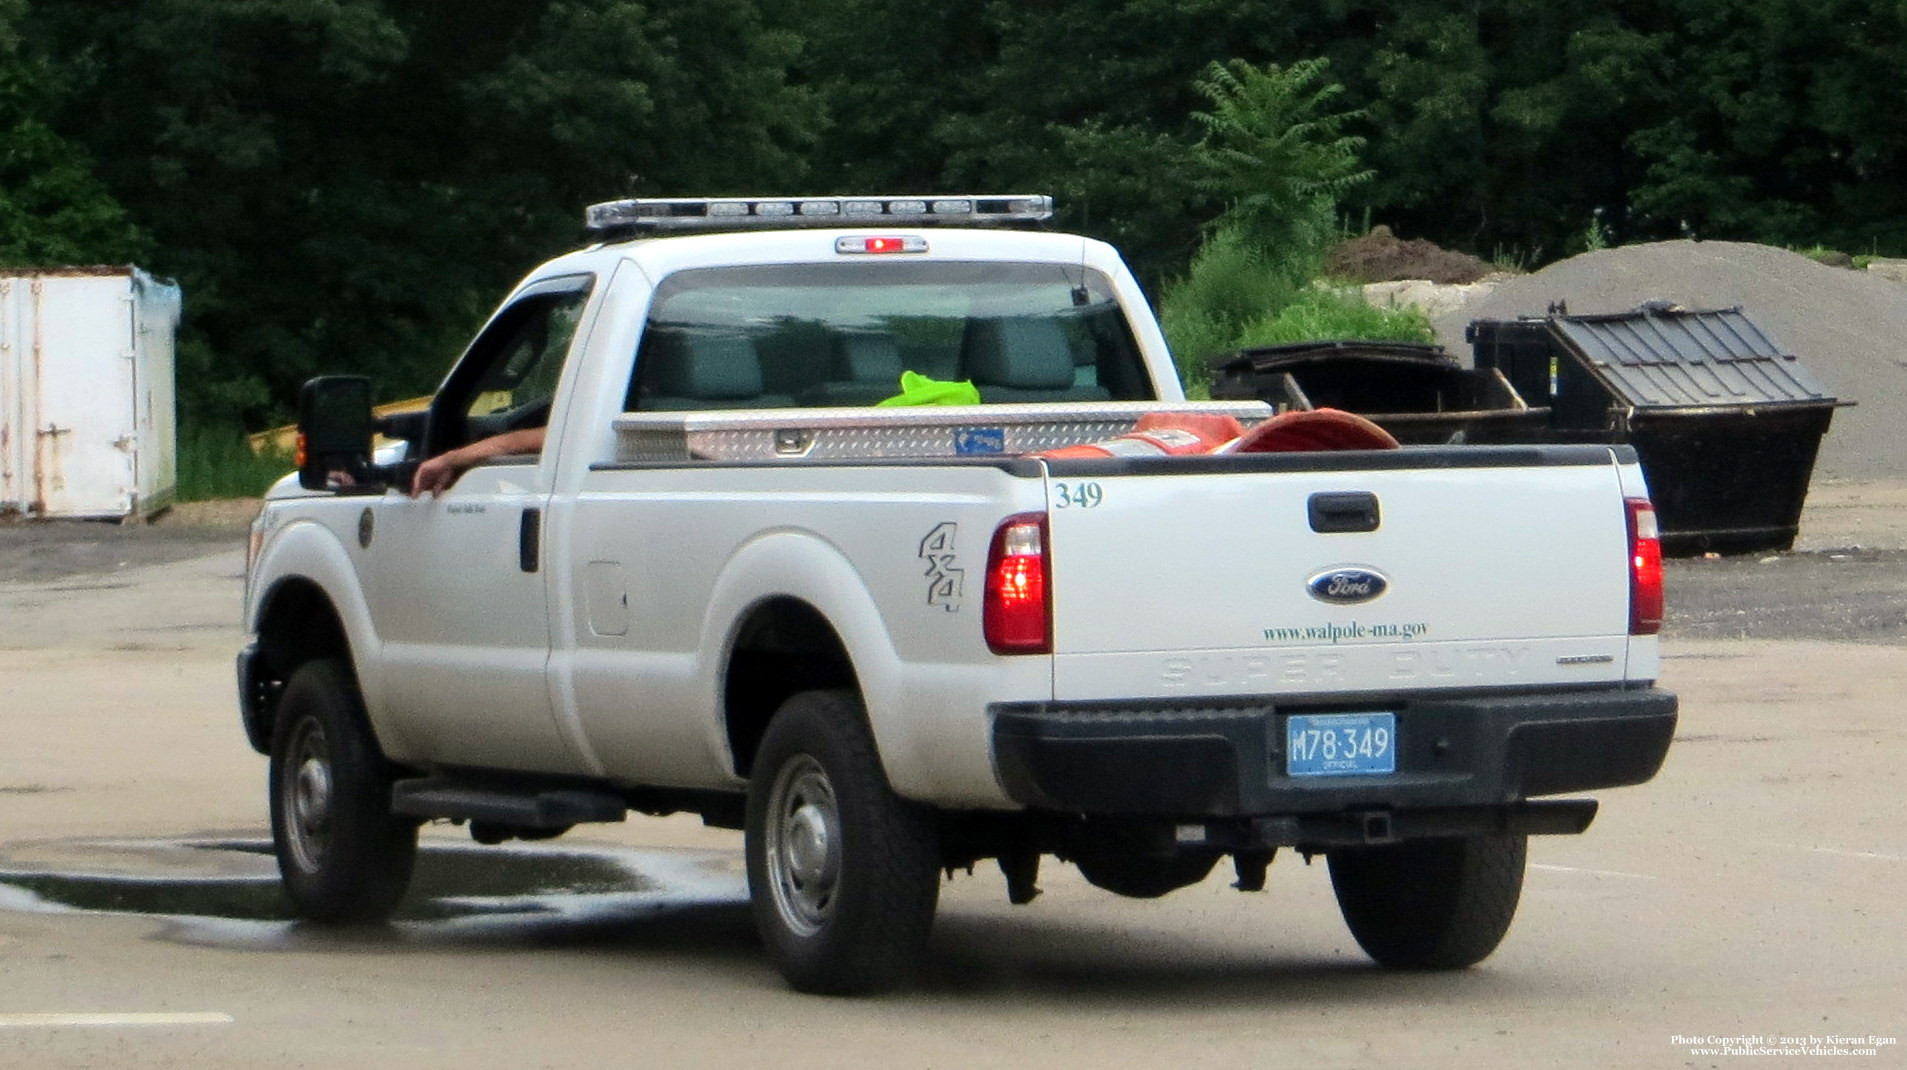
{"type": "Point", "coordinates": [298, 625]}
{"type": "Point", "coordinates": [783, 647]}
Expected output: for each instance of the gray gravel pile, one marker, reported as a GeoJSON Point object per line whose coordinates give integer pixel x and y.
{"type": "Point", "coordinates": [1848, 327]}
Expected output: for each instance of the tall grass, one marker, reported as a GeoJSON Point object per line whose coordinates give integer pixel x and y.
{"type": "Point", "coordinates": [1321, 313]}
{"type": "Point", "coordinates": [1230, 283]}
{"type": "Point", "coordinates": [1198, 332]}
{"type": "Point", "coordinates": [216, 461]}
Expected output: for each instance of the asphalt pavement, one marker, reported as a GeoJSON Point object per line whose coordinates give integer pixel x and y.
{"type": "Point", "coordinates": [1749, 895]}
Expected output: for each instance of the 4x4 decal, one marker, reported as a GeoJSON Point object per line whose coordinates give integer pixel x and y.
{"type": "Point", "coordinates": [945, 580]}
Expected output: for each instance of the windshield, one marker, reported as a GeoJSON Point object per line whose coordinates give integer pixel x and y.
{"type": "Point", "coordinates": [818, 335]}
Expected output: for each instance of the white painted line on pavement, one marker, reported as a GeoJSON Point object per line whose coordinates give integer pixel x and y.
{"type": "Point", "coordinates": [1594, 872]}
{"type": "Point", "coordinates": [55, 1020]}
{"type": "Point", "coordinates": [1876, 855]}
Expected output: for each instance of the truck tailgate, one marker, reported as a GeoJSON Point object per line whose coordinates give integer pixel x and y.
{"type": "Point", "coordinates": [1484, 567]}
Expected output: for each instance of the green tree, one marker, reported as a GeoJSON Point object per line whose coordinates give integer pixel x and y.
{"type": "Point", "coordinates": [53, 209]}
{"type": "Point", "coordinates": [352, 184]}
{"type": "Point", "coordinates": [1500, 125]}
{"type": "Point", "coordinates": [1788, 126]}
{"type": "Point", "coordinates": [1276, 153]}
{"type": "Point", "coordinates": [1090, 100]}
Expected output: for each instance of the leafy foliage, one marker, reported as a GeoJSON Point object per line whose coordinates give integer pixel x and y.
{"type": "Point", "coordinates": [1229, 284]}
{"type": "Point", "coordinates": [351, 184]}
{"type": "Point", "coordinates": [1324, 312]}
{"type": "Point", "coordinates": [1273, 153]}
{"type": "Point", "coordinates": [1280, 161]}
{"type": "Point", "coordinates": [53, 209]}
{"type": "Point", "coordinates": [344, 184]}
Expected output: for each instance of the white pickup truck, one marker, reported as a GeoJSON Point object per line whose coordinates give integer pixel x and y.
{"type": "Point", "coordinates": [889, 642]}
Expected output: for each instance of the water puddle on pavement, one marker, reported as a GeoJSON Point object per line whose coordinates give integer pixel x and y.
{"type": "Point", "coordinates": [205, 885]}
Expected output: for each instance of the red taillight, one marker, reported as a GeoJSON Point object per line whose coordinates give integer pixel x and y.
{"type": "Point", "coordinates": [1645, 569]}
{"type": "Point", "coordinates": [1017, 618]}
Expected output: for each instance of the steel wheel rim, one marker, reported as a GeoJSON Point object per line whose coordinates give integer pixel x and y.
{"type": "Point", "coordinates": [803, 839]}
{"type": "Point", "coordinates": [308, 796]}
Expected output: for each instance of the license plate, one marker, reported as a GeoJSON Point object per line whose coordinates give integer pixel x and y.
{"type": "Point", "coordinates": [1341, 744]}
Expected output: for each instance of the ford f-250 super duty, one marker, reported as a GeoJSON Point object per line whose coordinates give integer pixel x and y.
{"type": "Point", "coordinates": [889, 642]}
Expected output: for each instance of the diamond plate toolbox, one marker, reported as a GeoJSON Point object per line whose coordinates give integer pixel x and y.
{"type": "Point", "coordinates": [864, 433]}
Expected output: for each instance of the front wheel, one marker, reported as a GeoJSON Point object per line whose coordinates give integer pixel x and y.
{"type": "Point", "coordinates": [1439, 904]}
{"type": "Point", "coordinates": [343, 855]}
{"type": "Point", "coordinates": [843, 874]}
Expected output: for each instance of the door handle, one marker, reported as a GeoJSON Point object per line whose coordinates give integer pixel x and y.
{"type": "Point", "coordinates": [529, 540]}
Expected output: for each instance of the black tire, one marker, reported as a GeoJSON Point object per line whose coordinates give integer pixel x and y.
{"type": "Point", "coordinates": [343, 855]}
{"type": "Point", "coordinates": [1430, 904]}
{"type": "Point", "coordinates": [843, 874]}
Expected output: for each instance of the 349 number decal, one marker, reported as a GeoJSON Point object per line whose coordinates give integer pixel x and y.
{"type": "Point", "coordinates": [1078, 495]}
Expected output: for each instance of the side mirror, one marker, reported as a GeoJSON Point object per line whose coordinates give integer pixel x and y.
{"type": "Point", "coordinates": [408, 427]}
{"type": "Point", "coordinates": [334, 433]}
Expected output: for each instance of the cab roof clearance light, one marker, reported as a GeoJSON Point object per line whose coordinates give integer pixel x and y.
{"type": "Point", "coordinates": [873, 244]}
{"type": "Point", "coordinates": [675, 215]}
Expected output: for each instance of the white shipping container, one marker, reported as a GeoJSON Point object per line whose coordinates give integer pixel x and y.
{"type": "Point", "coordinates": [87, 394]}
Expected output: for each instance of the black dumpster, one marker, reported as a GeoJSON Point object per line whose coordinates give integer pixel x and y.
{"type": "Point", "coordinates": [1726, 423]}
{"type": "Point", "coordinates": [1419, 393]}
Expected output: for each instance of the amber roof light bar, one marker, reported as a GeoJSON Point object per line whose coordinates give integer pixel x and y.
{"type": "Point", "coordinates": [674, 215]}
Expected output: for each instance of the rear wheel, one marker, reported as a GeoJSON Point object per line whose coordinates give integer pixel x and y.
{"type": "Point", "coordinates": [842, 873]}
{"type": "Point", "coordinates": [343, 855]}
{"type": "Point", "coordinates": [1438, 904]}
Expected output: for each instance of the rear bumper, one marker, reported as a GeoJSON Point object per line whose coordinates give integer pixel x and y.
{"type": "Point", "coordinates": [1470, 753]}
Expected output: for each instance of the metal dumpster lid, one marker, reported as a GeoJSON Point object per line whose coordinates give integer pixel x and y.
{"type": "Point", "coordinates": [1662, 356]}
{"type": "Point", "coordinates": [1294, 354]}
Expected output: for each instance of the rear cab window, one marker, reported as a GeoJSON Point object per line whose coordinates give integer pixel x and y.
{"type": "Point", "coordinates": [832, 335]}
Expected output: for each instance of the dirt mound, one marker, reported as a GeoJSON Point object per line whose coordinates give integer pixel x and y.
{"type": "Point", "coordinates": [1381, 256]}
{"type": "Point", "coordinates": [1847, 327]}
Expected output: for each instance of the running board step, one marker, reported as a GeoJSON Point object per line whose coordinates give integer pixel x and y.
{"type": "Point", "coordinates": [461, 801]}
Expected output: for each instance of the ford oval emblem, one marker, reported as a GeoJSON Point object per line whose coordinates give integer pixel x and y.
{"type": "Point", "coordinates": [1347, 586]}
